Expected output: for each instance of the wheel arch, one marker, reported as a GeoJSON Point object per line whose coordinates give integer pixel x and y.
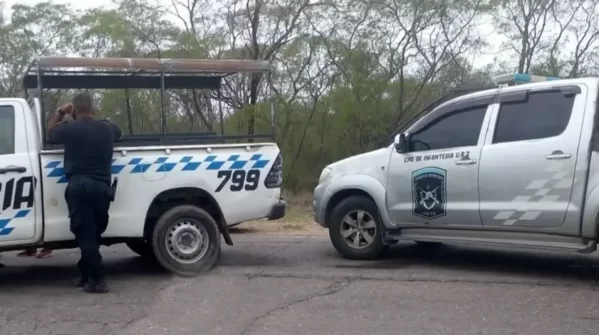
{"type": "Point", "coordinates": [361, 185]}
{"type": "Point", "coordinates": [185, 195]}
{"type": "Point", "coordinates": [341, 195]}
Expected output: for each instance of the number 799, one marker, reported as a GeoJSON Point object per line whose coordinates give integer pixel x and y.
{"type": "Point", "coordinates": [239, 180]}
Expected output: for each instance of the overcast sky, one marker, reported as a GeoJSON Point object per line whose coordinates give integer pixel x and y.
{"type": "Point", "coordinates": [74, 3]}
{"type": "Point", "coordinates": [481, 60]}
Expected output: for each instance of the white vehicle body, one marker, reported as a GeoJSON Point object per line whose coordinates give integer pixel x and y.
{"type": "Point", "coordinates": [518, 171]}
{"type": "Point", "coordinates": [32, 183]}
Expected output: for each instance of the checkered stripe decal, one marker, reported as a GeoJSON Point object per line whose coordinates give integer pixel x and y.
{"type": "Point", "coordinates": [556, 184]}
{"type": "Point", "coordinates": [4, 230]}
{"type": "Point", "coordinates": [169, 164]}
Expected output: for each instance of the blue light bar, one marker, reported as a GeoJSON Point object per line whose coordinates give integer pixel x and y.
{"type": "Point", "coordinates": [520, 78]}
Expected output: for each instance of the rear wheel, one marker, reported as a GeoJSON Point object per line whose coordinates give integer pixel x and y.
{"type": "Point", "coordinates": [186, 240]}
{"type": "Point", "coordinates": [355, 229]}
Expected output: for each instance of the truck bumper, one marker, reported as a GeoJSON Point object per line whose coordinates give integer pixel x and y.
{"type": "Point", "coordinates": [277, 211]}
{"type": "Point", "coordinates": [318, 207]}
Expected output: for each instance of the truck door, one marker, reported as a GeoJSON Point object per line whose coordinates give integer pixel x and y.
{"type": "Point", "coordinates": [529, 158]}
{"type": "Point", "coordinates": [17, 177]}
{"type": "Point", "coordinates": [436, 182]}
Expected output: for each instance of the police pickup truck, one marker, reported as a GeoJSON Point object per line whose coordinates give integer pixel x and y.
{"type": "Point", "coordinates": [515, 165]}
{"type": "Point", "coordinates": [174, 193]}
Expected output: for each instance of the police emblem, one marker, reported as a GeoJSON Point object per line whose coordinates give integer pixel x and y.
{"type": "Point", "coordinates": [429, 192]}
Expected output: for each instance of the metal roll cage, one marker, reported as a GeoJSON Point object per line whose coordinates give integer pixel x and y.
{"type": "Point", "coordinates": [143, 73]}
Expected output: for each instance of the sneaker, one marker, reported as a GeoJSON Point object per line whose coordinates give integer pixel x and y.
{"type": "Point", "coordinates": [27, 252]}
{"type": "Point", "coordinates": [96, 287]}
{"type": "Point", "coordinates": [44, 253]}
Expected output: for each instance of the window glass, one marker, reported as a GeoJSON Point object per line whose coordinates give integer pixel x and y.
{"type": "Point", "coordinates": [460, 128]}
{"type": "Point", "coordinates": [543, 114]}
{"type": "Point", "coordinates": [7, 130]}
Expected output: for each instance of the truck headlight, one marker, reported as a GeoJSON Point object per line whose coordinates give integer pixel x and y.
{"type": "Point", "coordinates": [326, 172]}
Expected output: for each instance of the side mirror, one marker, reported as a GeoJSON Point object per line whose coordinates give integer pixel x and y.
{"type": "Point", "coordinates": [400, 142]}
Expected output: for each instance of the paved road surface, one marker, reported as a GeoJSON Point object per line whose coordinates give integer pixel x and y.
{"type": "Point", "coordinates": [298, 285]}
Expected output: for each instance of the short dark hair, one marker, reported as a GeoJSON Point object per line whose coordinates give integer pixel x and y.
{"type": "Point", "coordinates": [83, 103]}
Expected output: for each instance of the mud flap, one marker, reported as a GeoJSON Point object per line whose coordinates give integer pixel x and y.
{"type": "Point", "coordinates": [224, 230]}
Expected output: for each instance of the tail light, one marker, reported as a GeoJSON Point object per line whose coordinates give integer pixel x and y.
{"type": "Point", "coordinates": [274, 178]}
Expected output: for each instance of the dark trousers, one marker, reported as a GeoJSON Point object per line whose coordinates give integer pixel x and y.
{"type": "Point", "coordinates": [88, 201]}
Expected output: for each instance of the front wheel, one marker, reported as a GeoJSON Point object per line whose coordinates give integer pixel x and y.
{"type": "Point", "coordinates": [355, 229]}
{"type": "Point", "coordinates": [186, 240]}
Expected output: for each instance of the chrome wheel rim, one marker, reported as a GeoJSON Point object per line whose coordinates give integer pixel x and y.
{"type": "Point", "coordinates": [187, 241]}
{"type": "Point", "coordinates": [358, 229]}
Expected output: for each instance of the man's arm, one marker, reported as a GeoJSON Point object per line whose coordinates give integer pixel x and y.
{"type": "Point", "coordinates": [55, 131]}
{"type": "Point", "coordinates": [116, 131]}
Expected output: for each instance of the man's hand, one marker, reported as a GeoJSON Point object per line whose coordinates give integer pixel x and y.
{"type": "Point", "coordinates": [59, 115]}
{"type": "Point", "coordinates": [66, 109]}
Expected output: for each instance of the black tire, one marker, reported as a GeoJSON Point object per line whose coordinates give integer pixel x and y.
{"type": "Point", "coordinates": [173, 219]}
{"type": "Point", "coordinates": [142, 247]}
{"type": "Point", "coordinates": [370, 252]}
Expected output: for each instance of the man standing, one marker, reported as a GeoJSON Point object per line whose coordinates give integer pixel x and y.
{"type": "Point", "coordinates": [88, 148]}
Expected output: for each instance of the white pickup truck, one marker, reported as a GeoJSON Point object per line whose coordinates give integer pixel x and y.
{"type": "Point", "coordinates": [174, 193]}
{"type": "Point", "coordinates": [514, 165]}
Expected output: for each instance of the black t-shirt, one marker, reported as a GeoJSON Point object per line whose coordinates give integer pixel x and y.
{"type": "Point", "coordinates": [88, 147]}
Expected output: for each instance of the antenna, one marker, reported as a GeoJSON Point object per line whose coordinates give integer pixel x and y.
{"type": "Point", "coordinates": [519, 78]}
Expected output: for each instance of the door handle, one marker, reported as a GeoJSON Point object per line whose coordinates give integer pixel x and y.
{"type": "Point", "coordinates": [12, 168]}
{"type": "Point", "coordinates": [558, 154]}
{"type": "Point", "coordinates": [466, 162]}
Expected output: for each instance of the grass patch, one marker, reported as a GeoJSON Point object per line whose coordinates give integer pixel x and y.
{"type": "Point", "coordinates": [298, 220]}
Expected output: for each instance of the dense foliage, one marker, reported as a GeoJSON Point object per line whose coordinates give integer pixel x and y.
{"type": "Point", "coordinates": [347, 72]}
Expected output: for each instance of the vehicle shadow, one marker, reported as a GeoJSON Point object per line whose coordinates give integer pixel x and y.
{"type": "Point", "coordinates": [408, 257]}
{"type": "Point", "coordinates": [63, 273]}
{"type": "Point", "coordinates": [489, 260]}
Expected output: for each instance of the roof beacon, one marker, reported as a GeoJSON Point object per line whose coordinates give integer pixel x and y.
{"type": "Point", "coordinates": [520, 78]}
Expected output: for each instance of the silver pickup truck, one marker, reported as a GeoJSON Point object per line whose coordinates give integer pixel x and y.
{"type": "Point", "coordinates": [516, 165]}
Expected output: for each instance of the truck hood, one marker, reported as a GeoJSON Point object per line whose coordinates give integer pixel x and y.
{"type": "Point", "coordinates": [368, 163]}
